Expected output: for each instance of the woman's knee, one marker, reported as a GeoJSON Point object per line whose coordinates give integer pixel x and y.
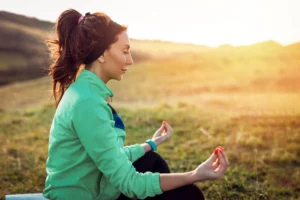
{"type": "Point", "coordinates": [160, 164]}
{"type": "Point", "coordinates": [150, 157]}
{"type": "Point", "coordinates": [195, 191]}
{"type": "Point", "coordinates": [191, 192]}
{"type": "Point", "coordinates": [153, 155]}
{"type": "Point", "coordinates": [152, 161]}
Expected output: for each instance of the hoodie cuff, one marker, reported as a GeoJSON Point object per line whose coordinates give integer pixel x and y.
{"type": "Point", "coordinates": [136, 151]}
{"type": "Point", "coordinates": [156, 184]}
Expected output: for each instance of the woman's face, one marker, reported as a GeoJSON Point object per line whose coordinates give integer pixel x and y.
{"type": "Point", "coordinates": [117, 58]}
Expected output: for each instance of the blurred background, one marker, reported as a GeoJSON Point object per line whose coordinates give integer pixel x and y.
{"type": "Point", "coordinates": [220, 72]}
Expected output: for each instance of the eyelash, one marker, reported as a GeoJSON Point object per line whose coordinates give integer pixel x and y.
{"type": "Point", "coordinates": [126, 52]}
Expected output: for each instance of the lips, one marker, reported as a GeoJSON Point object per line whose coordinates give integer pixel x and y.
{"type": "Point", "coordinates": [124, 70]}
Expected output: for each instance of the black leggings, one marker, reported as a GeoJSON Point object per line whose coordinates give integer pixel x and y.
{"type": "Point", "coordinates": [153, 162]}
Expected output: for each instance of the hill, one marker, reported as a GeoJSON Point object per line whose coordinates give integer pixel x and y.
{"type": "Point", "coordinates": [23, 53]}
{"type": "Point", "coordinates": [22, 50]}
{"type": "Point", "coordinates": [212, 81]}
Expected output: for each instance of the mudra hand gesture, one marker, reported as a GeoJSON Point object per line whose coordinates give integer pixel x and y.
{"type": "Point", "coordinates": [214, 167]}
{"type": "Point", "coordinates": [162, 134]}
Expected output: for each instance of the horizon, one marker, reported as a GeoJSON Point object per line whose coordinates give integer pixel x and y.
{"type": "Point", "coordinates": [214, 23]}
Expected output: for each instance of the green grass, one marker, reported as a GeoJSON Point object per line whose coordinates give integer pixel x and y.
{"type": "Point", "coordinates": [246, 100]}
{"type": "Point", "coordinates": [263, 149]}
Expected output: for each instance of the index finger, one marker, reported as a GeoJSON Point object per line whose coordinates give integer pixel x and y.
{"type": "Point", "coordinates": [169, 127]}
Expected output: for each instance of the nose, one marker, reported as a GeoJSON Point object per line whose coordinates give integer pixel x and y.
{"type": "Point", "coordinates": [129, 60]}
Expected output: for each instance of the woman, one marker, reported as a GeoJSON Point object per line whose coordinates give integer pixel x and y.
{"type": "Point", "coordinates": [86, 156]}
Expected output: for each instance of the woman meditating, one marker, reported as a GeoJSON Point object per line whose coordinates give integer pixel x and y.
{"type": "Point", "coordinates": [87, 158]}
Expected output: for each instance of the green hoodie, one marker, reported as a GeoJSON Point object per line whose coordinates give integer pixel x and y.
{"type": "Point", "coordinates": [86, 156]}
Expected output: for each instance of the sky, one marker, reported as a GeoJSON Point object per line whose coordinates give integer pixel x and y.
{"type": "Point", "coordinates": [203, 22]}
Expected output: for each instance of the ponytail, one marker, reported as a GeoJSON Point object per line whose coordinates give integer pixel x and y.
{"type": "Point", "coordinates": [65, 66]}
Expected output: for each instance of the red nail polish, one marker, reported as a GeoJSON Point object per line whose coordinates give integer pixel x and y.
{"type": "Point", "coordinates": [164, 122]}
{"type": "Point", "coordinates": [216, 151]}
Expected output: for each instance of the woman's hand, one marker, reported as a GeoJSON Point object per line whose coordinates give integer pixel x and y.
{"type": "Point", "coordinates": [214, 167]}
{"type": "Point", "coordinates": [162, 134]}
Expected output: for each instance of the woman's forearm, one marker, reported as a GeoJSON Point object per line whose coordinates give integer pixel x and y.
{"type": "Point", "coordinates": [170, 181]}
{"type": "Point", "coordinates": [146, 147]}
{"type": "Point", "coordinates": [175, 180]}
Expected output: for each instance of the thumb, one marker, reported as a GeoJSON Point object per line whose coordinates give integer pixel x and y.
{"type": "Point", "coordinates": [159, 131]}
{"type": "Point", "coordinates": [162, 127]}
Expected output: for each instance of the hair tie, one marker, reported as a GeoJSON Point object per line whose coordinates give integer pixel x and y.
{"type": "Point", "coordinates": [87, 14]}
{"type": "Point", "coordinates": [80, 19]}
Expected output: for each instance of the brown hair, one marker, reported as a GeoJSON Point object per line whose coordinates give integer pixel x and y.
{"type": "Point", "coordinates": [78, 42]}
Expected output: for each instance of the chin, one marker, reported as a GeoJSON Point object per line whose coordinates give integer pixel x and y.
{"type": "Point", "coordinates": [119, 78]}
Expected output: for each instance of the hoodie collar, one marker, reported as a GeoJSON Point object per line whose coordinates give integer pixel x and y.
{"type": "Point", "coordinates": [96, 81]}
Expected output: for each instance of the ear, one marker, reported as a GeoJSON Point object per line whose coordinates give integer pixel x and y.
{"type": "Point", "coordinates": [101, 59]}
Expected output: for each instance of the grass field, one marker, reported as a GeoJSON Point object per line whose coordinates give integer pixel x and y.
{"type": "Point", "coordinates": [263, 150]}
{"type": "Point", "coordinates": [249, 106]}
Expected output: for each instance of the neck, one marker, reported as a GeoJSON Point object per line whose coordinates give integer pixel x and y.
{"type": "Point", "coordinates": [96, 68]}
